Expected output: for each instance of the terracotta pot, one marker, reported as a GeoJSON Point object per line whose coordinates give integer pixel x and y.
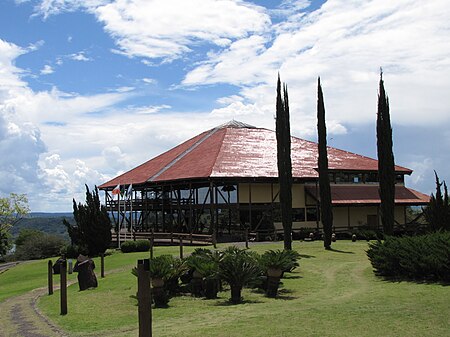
{"type": "Point", "coordinates": [274, 272]}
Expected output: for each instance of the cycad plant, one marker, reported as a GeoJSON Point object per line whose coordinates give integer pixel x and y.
{"type": "Point", "coordinates": [238, 268]}
{"type": "Point", "coordinates": [274, 263]}
{"type": "Point", "coordinates": [205, 266]}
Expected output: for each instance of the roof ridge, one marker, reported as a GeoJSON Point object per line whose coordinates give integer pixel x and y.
{"type": "Point", "coordinates": [183, 154]}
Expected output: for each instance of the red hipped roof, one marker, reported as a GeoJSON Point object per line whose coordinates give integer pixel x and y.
{"type": "Point", "coordinates": [236, 150]}
{"type": "Point", "coordinates": [368, 195]}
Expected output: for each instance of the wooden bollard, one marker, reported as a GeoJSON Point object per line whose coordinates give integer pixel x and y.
{"type": "Point", "coordinates": [151, 247]}
{"type": "Point", "coordinates": [181, 247]}
{"type": "Point", "coordinates": [50, 277]}
{"type": "Point", "coordinates": [214, 239]}
{"type": "Point", "coordinates": [246, 238]}
{"type": "Point", "coordinates": [102, 265]}
{"type": "Point", "coordinates": [70, 264]}
{"type": "Point", "coordinates": [63, 290]}
{"type": "Point", "coordinates": [190, 237]}
{"type": "Point", "coordinates": [144, 299]}
{"type": "Point", "coordinates": [171, 238]}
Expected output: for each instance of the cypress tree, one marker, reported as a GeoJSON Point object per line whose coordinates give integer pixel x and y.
{"type": "Point", "coordinates": [283, 134]}
{"type": "Point", "coordinates": [92, 229]}
{"type": "Point", "coordinates": [386, 167]}
{"type": "Point", "coordinates": [324, 180]}
{"type": "Point", "coordinates": [437, 211]}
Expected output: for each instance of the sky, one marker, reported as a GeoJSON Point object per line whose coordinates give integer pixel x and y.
{"type": "Point", "coordinates": [92, 88]}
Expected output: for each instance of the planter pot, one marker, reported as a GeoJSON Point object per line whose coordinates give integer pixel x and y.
{"type": "Point", "coordinates": [157, 282]}
{"type": "Point", "coordinates": [274, 272]}
{"type": "Point", "coordinates": [272, 286]}
{"type": "Point", "coordinates": [211, 287]}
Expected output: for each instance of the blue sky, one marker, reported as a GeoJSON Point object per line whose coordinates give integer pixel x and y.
{"type": "Point", "coordinates": [92, 88]}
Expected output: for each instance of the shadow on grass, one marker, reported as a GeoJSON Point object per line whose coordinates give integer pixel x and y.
{"type": "Point", "coordinates": [227, 303]}
{"type": "Point", "coordinates": [339, 251]}
{"type": "Point", "coordinates": [391, 279]}
{"type": "Point", "coordinates": [304, 256]}
{"type": "Point", "coordinates": [292, 277]}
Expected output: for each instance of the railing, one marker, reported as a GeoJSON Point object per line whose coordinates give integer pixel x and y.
{"type": "Point", "coordinates": [167, 238]}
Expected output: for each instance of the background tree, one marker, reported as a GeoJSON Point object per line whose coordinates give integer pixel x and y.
{"type": "Point", "coordinates": [324, 180]}
{"type": "Point", "coordinates": [32, 244]}
{"type": "Point", "coordinates": [437, 212]}
{"type": "Point", "coordinates": [386, 166]}
{"type": "Point", "coordinates": [92, 228]}
{"type": "Point", "coordinates": [12, 210]}
{"type": "Point", "coordinates": [283, 133]}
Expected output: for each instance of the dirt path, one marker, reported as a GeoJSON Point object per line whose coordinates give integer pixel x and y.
{"type": "Point", "coordinates": [20, 317]}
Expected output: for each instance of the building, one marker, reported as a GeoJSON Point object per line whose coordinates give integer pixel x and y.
{"type": "Point", "coordinates": [226, 179]}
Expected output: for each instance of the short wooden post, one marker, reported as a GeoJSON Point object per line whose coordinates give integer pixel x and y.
{"type": "Point", "coordinates": [190, 237]}
{"type": "Point", "coordinates": [50, 277]}
{"type": "Point", "coordinates": [70, 263]}
{"type": "Point", "coordinates": [63, 290]}
{"type": "Point", "coordinates": [246, 238]}
{"type": "Point", "coordinates": [181, 247]}
{"type": "Point", "coordinates": [144, 299]}
{"type": "Point", "coordinates": [171, 237]}
{"type": "Point", "coordinates": [151, 247]}
{"type": "Point", "coordinates": [102, 265]}
{"type": "Point", "coordinates": [214, 239]}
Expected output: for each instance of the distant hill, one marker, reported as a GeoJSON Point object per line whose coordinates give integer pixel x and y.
{"type": "Point", "coordinates": [51, 223]}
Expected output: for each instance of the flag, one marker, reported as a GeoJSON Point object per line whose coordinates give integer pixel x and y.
{"type": "Point", "coordinates": [130, 188]}
{"type": "Point", "coordinates": [116, 190]}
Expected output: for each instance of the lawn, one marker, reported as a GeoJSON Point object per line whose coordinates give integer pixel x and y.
{"type": "Point", "coordinates": [333, 293]}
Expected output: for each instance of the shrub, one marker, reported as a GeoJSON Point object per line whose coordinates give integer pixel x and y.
{"type": "Point", "coordinates": [72, 251]}
{"type": "Point", "coordinates": [424, 257]}
{"type": "Point", "coordinates": [142, 245]}
{"type": "Point", "coordinates": [135, 246]}
{"type": "Point", "coordinates": [39, 247]}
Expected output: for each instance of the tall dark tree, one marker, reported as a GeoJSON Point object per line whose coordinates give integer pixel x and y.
{"type": "Point", "coordinates": [326, 210]}
{"type": "Point", "coordinates": [386, 167]}
{"type": "Point", "coordinates": [283, 133]}
{"type": "Point", "coordinates": [92, 228]}
{"type": "Point", "coordinates": [437, 211]}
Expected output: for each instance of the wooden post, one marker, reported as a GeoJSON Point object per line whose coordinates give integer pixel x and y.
{"type": "Point", "coordinates": [151, 247]}
{"type": "Point", "coordinates": [214, 239]}
{"type": "Point", "coordinates": [246, 238]}
{"type": "Point", "coordinates": [171, 237]}
{"type": "Point", "coordinates": [50, 277]}
{"type": "Point", "coordinates": [144, 299]}
{"type": "Point", "coordinates": [181, 247]}
{"type": "Point", "coordinates": [63, 290]}
{"type": "Point", "coordinates": [70, 263]}
{"type": "Point", "coordinates": [190, 237]}
{"type": "Point", "coordinates": [102, 265]}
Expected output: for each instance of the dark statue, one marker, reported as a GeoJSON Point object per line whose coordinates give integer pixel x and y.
{"type": "Point", "coordinates": [85, 269]}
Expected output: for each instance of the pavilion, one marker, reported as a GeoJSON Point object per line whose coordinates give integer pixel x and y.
{"type": "Point", "coordinates": [226, 179]}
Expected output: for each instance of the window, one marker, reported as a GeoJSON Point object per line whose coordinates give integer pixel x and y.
{"type": "Point", "coordinates": [298, 214]}
{"type": "Point", "coordinates": [312, 214]}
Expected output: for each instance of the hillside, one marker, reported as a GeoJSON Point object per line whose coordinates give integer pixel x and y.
{"type": "Point", "coordinates": [51, 223]}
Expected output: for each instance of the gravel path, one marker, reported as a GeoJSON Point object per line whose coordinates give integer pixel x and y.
{"type": "Point", "coordinates": [20, 317]}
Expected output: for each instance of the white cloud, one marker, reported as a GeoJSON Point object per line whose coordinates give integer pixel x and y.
{"type": "Point", "coordinates": [47, 70]}
{"type": "Point", "coordinates": [345, 43]}
{"type": "Point", "coordinates": [80, 56]}
{"type": "Point", "coordinates": [168, 28]}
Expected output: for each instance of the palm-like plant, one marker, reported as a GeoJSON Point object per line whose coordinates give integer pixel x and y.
{"type": "Point", "coordinates": [205, 264]}
{"type": "Point", "coordinates": [238, 268]}
{"type": "Point", "coordinates": [275, 263]}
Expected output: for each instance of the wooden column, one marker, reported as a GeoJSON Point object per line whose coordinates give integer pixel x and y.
{"type": "Point", "coordinates": [63, 289]}
{"type": "Point", "coordinates": [144, 299]}
{"type": "Point", "coordinates": [50, 277]}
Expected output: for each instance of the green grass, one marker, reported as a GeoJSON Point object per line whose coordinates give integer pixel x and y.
{"type": "Point", "coordinates": [333, 293]}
